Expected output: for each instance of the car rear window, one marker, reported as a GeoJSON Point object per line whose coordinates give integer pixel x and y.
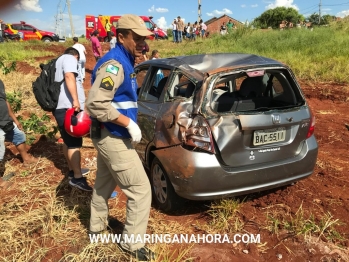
{"type": "Point", "coordinates": [246, 91]}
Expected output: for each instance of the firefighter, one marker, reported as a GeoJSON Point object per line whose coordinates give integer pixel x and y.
{"type": "Point", "coordinates": [108, 29]}
{"type": "Point", "coordinates": [112, 101]}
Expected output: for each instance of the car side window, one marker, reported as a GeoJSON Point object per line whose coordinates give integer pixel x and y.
{"type": "Point", "coordinates": [152, 90]}
{"type": "Point", "coordinates": [282, 90]}
{"type": "Point", "coordinates": [27, 28]}
{"type": "Point", "coordinates": [277, 87]}
{"type": "Point", "coordinates": [181, 86]}
{"type": "Point", "coordinates": [141, 78]}
{"type": "Point", "coordinates": [16, 27]}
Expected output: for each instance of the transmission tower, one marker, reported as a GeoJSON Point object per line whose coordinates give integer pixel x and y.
{"type": "Point", "coordinates": [59, 28]}
{"type": "Point", "coordinates": [58, 16]}
{"type": "Point", "coordinates": [71, 19]}
{"type": "Point", "coordinates": [199, 10]}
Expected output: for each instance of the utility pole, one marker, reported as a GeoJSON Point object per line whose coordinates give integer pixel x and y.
{"type": "Point", "coordinates": [199, 10]}
{"type": "Point", "coordinates": [320, 12]}
{"type": "Point", "coordinates": [71, 19]}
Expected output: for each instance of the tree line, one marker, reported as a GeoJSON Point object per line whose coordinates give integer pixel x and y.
{"type": "Point", "coordinates": [274, 17]}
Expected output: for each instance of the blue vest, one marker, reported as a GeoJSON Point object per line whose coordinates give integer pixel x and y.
{"type": "Point", "coordinates": [125, 97]}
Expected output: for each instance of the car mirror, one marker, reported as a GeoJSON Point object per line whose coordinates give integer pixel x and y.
{"type": "Point", "coordinates": [34, 30]}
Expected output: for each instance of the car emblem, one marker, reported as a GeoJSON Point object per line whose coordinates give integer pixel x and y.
{"type": "Point", "coordinates": [275, 119]}
{"type": "Point", "coordinates": [252, 157]}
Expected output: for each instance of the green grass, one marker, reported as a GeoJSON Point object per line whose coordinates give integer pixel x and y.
{"type": "Point", "coordinates": [318, 55]}
{"type": "Point", "coordinates": [26, 50]}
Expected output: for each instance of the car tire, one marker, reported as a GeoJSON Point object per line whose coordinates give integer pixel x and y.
{"type": "Point", "coordinates": [164, 195]}
{"type": "Point", "coordinates": [46, 39]}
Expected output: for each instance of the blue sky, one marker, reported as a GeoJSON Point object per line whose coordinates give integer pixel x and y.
{"type": "Point", "coordinates": [42, 13]}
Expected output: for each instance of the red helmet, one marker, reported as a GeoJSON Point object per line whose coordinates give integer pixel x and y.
{"type": "Point", "coordinates": [77, 124]}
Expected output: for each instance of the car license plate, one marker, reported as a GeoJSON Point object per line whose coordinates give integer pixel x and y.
{"type": "Point", "coordinates": [267, 136]}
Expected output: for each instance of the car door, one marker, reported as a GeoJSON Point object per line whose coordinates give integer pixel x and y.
{"type": "Point", "coordinates": [30, 33]}
{"type": "Point", "coordinates": [17, 29]}
{"type": "Point", "coordinates": [151, 82]}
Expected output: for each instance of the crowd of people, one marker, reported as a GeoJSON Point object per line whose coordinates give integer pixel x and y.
{"type": "Point", "coordinates": [189, 31]}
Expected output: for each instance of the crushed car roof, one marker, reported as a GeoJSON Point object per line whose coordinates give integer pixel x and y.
{"type": "Point", "coordinates": [209, 62]}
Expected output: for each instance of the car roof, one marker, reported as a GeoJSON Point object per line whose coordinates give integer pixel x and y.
{"type": "Point", "coordinates": [205, 63]}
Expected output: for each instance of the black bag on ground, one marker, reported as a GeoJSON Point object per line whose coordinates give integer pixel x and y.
{"type": "Point", "coordinates": [45, 89]}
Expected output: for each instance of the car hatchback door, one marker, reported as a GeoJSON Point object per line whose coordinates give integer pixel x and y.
{"type": "Point", "coordinates": [261, 116]}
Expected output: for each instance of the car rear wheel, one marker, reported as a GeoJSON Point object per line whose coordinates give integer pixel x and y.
{"type": "Point", "coordinates": [164, 195]}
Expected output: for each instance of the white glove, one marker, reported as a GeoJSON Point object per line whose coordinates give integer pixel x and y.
{"type": "Point", "coordinates": [134, 131]}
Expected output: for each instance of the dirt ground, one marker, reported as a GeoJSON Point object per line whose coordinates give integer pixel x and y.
{"type": "Point", "coordinates": [325, 192]}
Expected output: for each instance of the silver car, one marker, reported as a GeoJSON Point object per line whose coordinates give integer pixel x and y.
{"type": "Point", "coordinates": [220, 125]}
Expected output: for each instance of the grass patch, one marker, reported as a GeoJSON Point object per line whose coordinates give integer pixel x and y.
{"type": "Point", "coordinates": [223, 217]}
{"type": "Point", "coordinates": [281, 219]}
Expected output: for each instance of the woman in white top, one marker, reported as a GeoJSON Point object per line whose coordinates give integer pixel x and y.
{"type": "Point", "coordinates": [203, 28]}
{"type": "Point", "coordinates": [174, 31]}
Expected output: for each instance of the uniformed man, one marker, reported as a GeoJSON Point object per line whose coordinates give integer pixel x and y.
{"type": "Point", "coordinates": [108, 29]}
{"type": "Point", "coordinates": [112, 101]}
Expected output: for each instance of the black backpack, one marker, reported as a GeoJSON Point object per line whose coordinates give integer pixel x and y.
{"type": "Point", "coordinates": [45, 89]}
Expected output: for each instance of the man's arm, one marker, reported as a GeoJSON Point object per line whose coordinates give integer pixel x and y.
{"type": "Point", "coordinates": [108, 79]}
{"type": "Point", "coordinates": [70, 81]}
{"type": "Point", "coordinates": [13, 116]}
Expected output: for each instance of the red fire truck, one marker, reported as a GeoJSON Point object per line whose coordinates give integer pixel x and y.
{"type": "Point", "coordinates": [98, 23]}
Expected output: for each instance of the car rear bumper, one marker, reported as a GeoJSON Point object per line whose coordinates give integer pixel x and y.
{"type": "Point", "coordinates": [200, 176]}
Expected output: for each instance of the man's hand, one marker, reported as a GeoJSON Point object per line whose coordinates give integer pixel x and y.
{"type": "Point", "coordinates": [134, 131]}
{"type": "Point", "coordinates": [19, 125]}
{"type": "Point", "coordinates": [76, 105]}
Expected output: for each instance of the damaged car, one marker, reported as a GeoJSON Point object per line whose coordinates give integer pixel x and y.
{"type": "Point", "coordinates": [220, 125]}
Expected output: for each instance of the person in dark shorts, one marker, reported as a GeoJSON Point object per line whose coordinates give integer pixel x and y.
{"type": "Point", "coordinates": [71, 96]}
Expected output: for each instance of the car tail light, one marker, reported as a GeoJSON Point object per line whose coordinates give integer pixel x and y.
{"type": "Point", "coordinates": [199, 136]}
{"type": "Point", "coordinates": [312, 125]}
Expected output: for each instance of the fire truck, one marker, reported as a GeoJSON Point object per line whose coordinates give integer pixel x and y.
{"type": "Point", "coordinates": [98, 23]}
{"type": "Point", "coordinates": [29, 32]}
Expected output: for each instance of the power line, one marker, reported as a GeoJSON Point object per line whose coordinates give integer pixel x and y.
{"type": "Point", "coordinates": [347, 3]}
{"type": "Point", "coordinates": [311, 7]}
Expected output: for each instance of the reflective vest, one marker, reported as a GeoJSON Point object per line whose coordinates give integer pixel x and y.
{"type": "Point", "coordinates": [107, 26]}
{"type": "Point", "coordinates": [125, 97]}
